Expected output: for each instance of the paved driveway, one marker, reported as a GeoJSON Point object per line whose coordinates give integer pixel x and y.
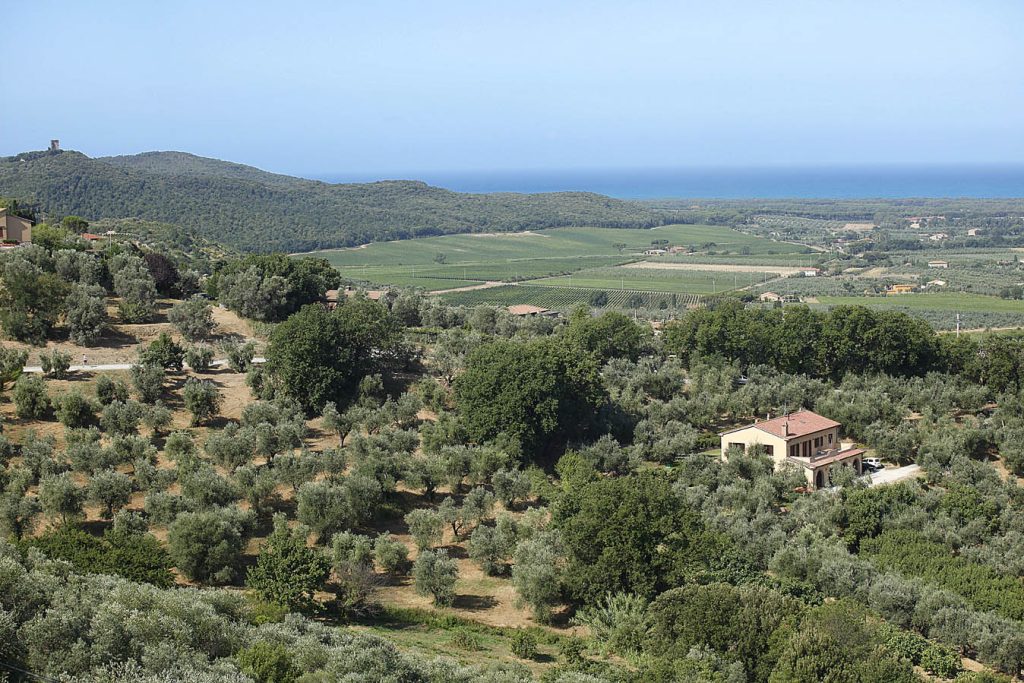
{"type": "Point", "coordinates": [891, 475]}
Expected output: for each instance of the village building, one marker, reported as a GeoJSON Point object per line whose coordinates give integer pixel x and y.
{"type": "Point", "coordinates": [938, 264]}
{"type": "Point", "coordinates": [938, 237]}
{"type": "Point", "coordinates": [14, 229]}
{"type": "Point", "coordinates": [526, 310]}
{"type": "Point", "coordinates": [811, 272]}
{"type": "Point", "coordinates": [654, 252]}
{"type": "Point", "coordinates": [770, 297]}
{"type": "Point", "coordinates": [899, 289]}
{"type": "Point", "coordinates": [804, 439]}
{"type": "Point", "coordinates": [935, 283]}
{"type": "Point", "coordinates": [974, 232]}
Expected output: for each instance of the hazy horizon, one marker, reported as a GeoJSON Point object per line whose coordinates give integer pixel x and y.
{"type": "Point", "coordinates": [323, 87]}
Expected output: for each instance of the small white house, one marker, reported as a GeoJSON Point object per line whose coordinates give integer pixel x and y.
{"type": "Point", "coordinates": [938, 264]}
{"type": "Point", "coordinates": [974, 232]}
{"type": "Point", "coordinates": [938, 237]}
{"type": "Point", "coordinates": [654, 252]}
{"type": "Point", "coordinates": [811, 272]}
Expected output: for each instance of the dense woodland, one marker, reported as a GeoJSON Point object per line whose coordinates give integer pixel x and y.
{"type": "Point", "coordinates": [251, 210]}
{"type": "Point", "coordinates": [149, 536]}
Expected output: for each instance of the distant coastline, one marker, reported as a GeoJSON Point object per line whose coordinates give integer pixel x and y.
{"type": "Point", "coordinates": [838, 182]}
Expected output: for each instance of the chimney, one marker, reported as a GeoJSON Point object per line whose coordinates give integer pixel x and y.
{"type": "Point", "coordinates": [785, 427]}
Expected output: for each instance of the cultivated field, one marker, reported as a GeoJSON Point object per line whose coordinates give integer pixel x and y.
{"type": "Point", "coordinates": [573, 262]}
{"type": "Point", "coordinates": [953, 302]}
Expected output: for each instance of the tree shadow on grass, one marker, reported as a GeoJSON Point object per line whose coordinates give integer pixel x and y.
{"type": "Point", "coordinates": [474, 603]}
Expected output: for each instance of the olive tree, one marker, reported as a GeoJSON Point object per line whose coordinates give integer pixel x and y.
{"type": "Point", "coordinates": [111, 490]}
{"type": "Point", "coordinates": [60, 497]}
{"type": "Point", "coordinates": [86, 314]}
{"type": "Point", "coordinates": [201, 399]}
{"type": "Point", "coordinates": [435, 574]}
{"type": "Point", "coordinates": [536, 573]}
{"type": "Point", "coordinates": [207, 546]}
{"type": "Point", "coordinates": [31, 401]}
{"type": "Point", "coordinates": [426, 527]}
{"type": "Point", "coordinates": [193, 318]}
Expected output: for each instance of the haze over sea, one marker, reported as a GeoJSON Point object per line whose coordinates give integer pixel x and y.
{"type": "Point", "coordinates": [734, 183]}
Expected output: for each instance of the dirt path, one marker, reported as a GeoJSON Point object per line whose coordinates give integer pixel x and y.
{"type": "Point", "coordinates": [719, 267]}
{"type": "Point", "coordinates": [469, 288]}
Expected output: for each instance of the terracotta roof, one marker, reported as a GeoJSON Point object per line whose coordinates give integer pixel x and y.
{"type": "Point", "coordinates": [90, 236]}
{"type": "Point", "coordinates": [796, 424]}
{"type": "Point", "coordinates": [526, 309]}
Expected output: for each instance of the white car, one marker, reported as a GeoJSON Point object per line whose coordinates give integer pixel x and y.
{"type": "Point", "coordinates": [873, 463]}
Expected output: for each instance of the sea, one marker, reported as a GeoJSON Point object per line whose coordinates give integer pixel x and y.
{"type": "Point", "coordinates": [832, 182]}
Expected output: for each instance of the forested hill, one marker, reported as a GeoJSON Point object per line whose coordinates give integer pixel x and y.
{"type": "Point", "coordinates": [253, 210]}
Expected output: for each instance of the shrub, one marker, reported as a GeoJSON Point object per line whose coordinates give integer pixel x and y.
{"type": "Point", "coordinates": [524, 644]}
{"type": "Point", "coordinates": [109, 389]}
{"type": "Point", "coordinates": [618, 622]}
{"type": "Point", "coordinates": [905, 644]}
{"type": "Point", "coordinates": [391, 554]}
{"type": "Point", "coordinates": [163, 352]}
{"type": "Point", "coordinates": [12, 363]}
{"type": "Point", "coordinates": [240, 356]}
{"type": "Point", "coordinates": [148, 381]}
{"type": "Point", "coordinates": [435, 574]}
{"type": "Point", "coordinates": [135, 556]}
{"type": "Point", "coordinates": [288, 572]}
{"type": "Point", "coordinates": [55, 363]}
{"type": "Point", "coordinates": [199, 357]}
{"type": "Point", "coordinates": [121, 418]}
{"type": "Point", "coordinates": [201, 399]}
{"type": "Point", "coordinates": [464, 639]}
{"type": "Point", "coordinates": [268, 663]}
{"type": "Point", "coordinates": [941, 660]}
{"type": "Point", "coordinates": [75, 410]}
{"type": "Point", "coordinates": [30, 399]}
{"type": "Point", "coordinates": [157, 417]}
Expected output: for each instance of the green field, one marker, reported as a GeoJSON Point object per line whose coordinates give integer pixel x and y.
{"type": "Point", "coordinates": [656, 280]}
{"type": "Point", "coordinates": [944, 301]}
{"type": "Point", "coordinates": [565, 298]}
{"type": "Point", "coordinates": [574, 259]}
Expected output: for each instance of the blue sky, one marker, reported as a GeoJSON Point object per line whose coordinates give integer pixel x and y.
{"type": "Point", "coordinates": [314, 87]}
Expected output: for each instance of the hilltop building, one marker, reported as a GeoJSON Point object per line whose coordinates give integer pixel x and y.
{"type": "Point", "coordinates": [803, 438]}
{"type": "Point", "coordinates": [14, 229]}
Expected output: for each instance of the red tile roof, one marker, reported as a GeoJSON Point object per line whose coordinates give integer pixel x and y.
{"type": "Point", "coordinates": [796, 424]}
